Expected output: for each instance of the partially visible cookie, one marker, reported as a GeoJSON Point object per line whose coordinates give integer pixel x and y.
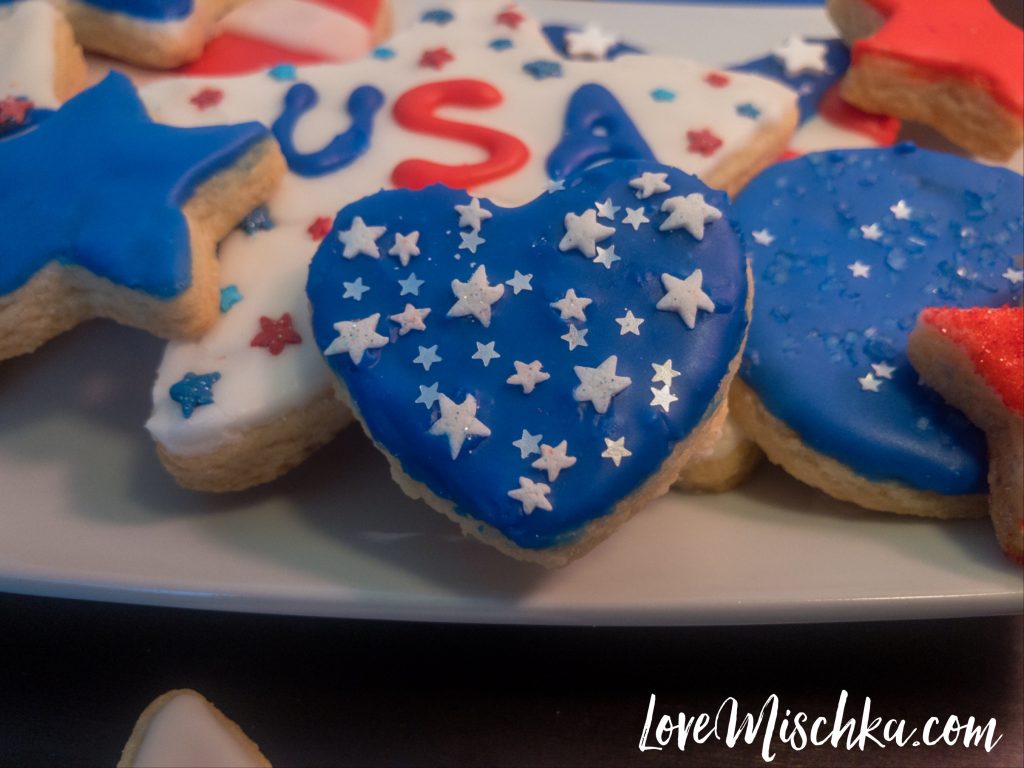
{"type": "Point", "coordinates": [40, 61]}
{"type": "Point", "coordinates": [725, 466]}
{"type": "Point", "coordinates": [182, 729]}
{"type": "Point", "coordinates": [952, 64]}
{"type": "Point", "coordinates": [107, 214]}
{"type": "Point", "coordinates": [974, 358]}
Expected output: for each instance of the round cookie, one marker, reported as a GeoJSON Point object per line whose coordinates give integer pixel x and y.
{"type": "Point", "coordinates": [847, 248]}
{"type": "Point", "coordinates": [538, 373]}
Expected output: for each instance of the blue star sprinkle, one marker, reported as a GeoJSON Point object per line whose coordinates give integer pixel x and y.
{"type": "Point", "coordinates": [748, 110]}
{"type": "Point", "coordinates": [229, 296]}
{"type": "Point", "coordinates": [500, 44]}
{"type": "Point", "coordinates": [383, 53]}
{"type": "Point", "coordinates": [663, 94]}
{"type": "Point", "coordinates": [257, 219]}
{"type": "Point", "coordinates": [543, 68]}
{"type": "Point", "coordinates": [282, 72]}
{"type": "Point", "coordinates": [438, 16]}
{"type": "Point", "coordinates": [194, 390]}
{"type": "Point", "coordinates": [103, 140]}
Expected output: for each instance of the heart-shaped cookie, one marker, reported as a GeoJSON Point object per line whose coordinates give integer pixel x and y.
{"type": "Point", "coordinates": [536, 373]}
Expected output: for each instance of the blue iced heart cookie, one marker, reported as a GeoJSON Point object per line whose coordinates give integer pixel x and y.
{"type": "Point", "coordinates": [847, 248]}
{"type": "Point", "coordinates": [537, 369]}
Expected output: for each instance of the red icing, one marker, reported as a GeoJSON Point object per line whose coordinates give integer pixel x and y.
{"type": "Point", "coordinates": [882, 129]}
{"type": "Point", "coordinates": [510, 19]}
{"type": "Point", "coordinates": [415, 110]}
{"type": "Point", "coordinates": [994, 341]}
{"type": "Point", "coordinates": [319, 228]}
{"type": "Point", "coordinates": [367, 11]}
{"type": "Point", "coordinates": [275, 335]}
{"type": "Point", "coordinates": [230, 54]}
{"type": "Point", "coordinates": [207, 97]}
{"type": "Point", "coordinates": [789, 154]}
{"type": "Point", "coordinates": [702, 142]}
{"type": "Point", "coordinates": [716, 79]}
{"type": "Point", "coordinates": [13, 111]}
{"type": "Point", "coordinates": [436, 58]}
{"type": "Point", "coordinates": [964, 39]}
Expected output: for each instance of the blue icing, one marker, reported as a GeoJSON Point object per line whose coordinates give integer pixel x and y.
{"type": "Point", "coordinates": [98, 184]}
{"type": "Point", "coordinates": [344, 148]}
{"type": "Point", "coordinates": [153, 10]}
{"type": "Point", "coordinates": [256, 220]}
{"type": "Point", "coordinates": [597, 129]}
{"type": "Point", "coordinates": [386, 383]}
{"type": "Point", "coordinates": [817, 328]}
{"type": "Point", "coordinates": [555, 34]}
{"type": "Point", "coordinates": [810, 86]}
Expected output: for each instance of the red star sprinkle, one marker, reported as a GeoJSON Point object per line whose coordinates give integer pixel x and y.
{"type": "Point", "coordinates": [511, 19]}
{"type": "Point", "coordinates": [276, 334]}
{"type": "Point", "coordinates": [702, 142]}
{"type": "Point", "coordinates": [436, 58]}
{"type": "Point", "coordinates": [208, 97]}
{"type": "Point", "coordinates": [13, 111]}
{"type": "Point", "coordinates": [319, 228]}
{"type": "Point", "coordinates": [716, 79]}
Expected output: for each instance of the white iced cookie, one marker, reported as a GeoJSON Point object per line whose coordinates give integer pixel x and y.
{"type": "Point", "coordinates": [39, 59]}
{"type": "Point", "coordinates": [184, 730]}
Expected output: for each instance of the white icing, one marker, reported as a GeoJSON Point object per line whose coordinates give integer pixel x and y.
{"type": "Point", "coordinates": [187, 732]}
{"type": "Point", "coordinates": [685, 297]}
{"type": "Point", "coordinates": [28, 52]}
{"type": "Point", "coordinates": [255, 386]}
{"type": "Point", "coordinates": [269, 269]}
{"type": "Point", "coordinates": [300, 25]}
{"type": "Point", "coordinates": [819, 134]}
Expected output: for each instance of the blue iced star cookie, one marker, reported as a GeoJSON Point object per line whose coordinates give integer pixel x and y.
{"type": "Point", "coordinates": [553, 358]}
{"type": "Point", "coordinates": [99, 189]}
{"type": "Point", "coordinates": [847, 247]}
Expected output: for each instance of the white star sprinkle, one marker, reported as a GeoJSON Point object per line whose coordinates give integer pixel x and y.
{"type": "Point", "coordinates": [472, 215]}
{"type": "Point", "coordinates": [428, 395]}
{"type": "Point", "coordinates": [685, 297]}
{"type": "Point", "coordinates": [531, 495]}
{"type": "Point", "coordinates": [528, 444]}
{"type": "Point", "coordinates": [801, 57]}
{"type": "Point", "coordinates": [663, 397]}
{"type": "Point", "coordinates": [1015, 276]}
{"type": "Point", "coordinates": [901, 210]}
{"type": "Point", "coordinates": [664, 373]}
{"type": "Point", "coordinates": [607, 210]}
{"type": "Point", "coordinates": [555, 186]}
{"type": "Point", "coordinates": [457, 422]}
{"type": "Point", "coordinates": [871, 232]}
{"type": "Point", "coordinates": [690, 213]}
{"type": "Point", "coordinates": [475, 297]}
{"type": "Point", "coordinates": [584, 232]}
{"type": "Point", "coordinates": [647, 184]}
{"type": "Point", "coordinates": [859, 269]}
{"type": "Point", "coordinates": [599, 385]}
{"type": "Point", "coordinates": [411, 285]}
{"type": "Point", "coordinates": [615, 450]}
{"type": "Point", "coordinates": [485, 353]}
{"type": "Point", "coordinates": [629, 323]}
{"type": "Point", "coordinates": [354, 290]}
{"type": "Point", "coordinates": [575, 337]}
{"type": "Point", "coordinates": [405, 247]}
{"type": "Point", "coordinates": [635, 217]}
{"type": "Point", "coordinates": [606, 256]}
{"type": "Point", "coordinates": [763, 237]}
{"type": "Point", "coordinates": [883, 370]}
{"type": "Point", "coordinates": [528, 376]}
{"type": "Point", "coordinates": [572, 307]}
{"type": "Point", "coordinates": [470, 241]}
{"type": "Point", "coordinates": [411, 319]}
{"type": "Point", "coordinates": [427, 357]}
{"type": "Point", "coordinates": [360, 238]}
{"type": "Point", "coordinates": [520, 282]}
{"type": "Point", "coordinates": [591, 43]}
{"type": "Point", "coordinates": [357, 336]}
{"type": "Point", "coordinates": [554, 460]}
{"type": "Point", "coordinates": [869, 383]}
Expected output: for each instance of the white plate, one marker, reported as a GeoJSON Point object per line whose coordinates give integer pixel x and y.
{"type": "Point", "coordinates": [86, 510]}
